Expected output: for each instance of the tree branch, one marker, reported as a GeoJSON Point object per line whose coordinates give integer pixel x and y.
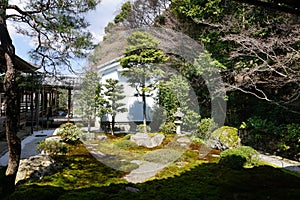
{"type": "Point", "coordinates": [292, 8]}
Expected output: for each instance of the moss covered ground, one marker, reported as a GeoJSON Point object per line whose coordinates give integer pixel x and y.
{"type": "Point", "coordinates": [83, 177]}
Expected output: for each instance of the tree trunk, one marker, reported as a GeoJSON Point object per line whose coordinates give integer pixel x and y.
{"type": "Point", "coordinates": [113, 117]}
{"type": "Point", "coordinates": [144, 112]}
{"type": "Point", "coordinates": [89, 123]}
{"type": "Point", "coordinates": [69, 103]}
{"type": "Point", "coordinates": [11, 106]}
{"type": "Point", "coordinates": [12, 112]}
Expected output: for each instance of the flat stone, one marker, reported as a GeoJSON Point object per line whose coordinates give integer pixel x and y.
{"type": "Point", "coordinates": [102, 137]}
{"type": "Point", "coordinates": [144, 172]}
{"type": "Point", "coordinates": [184, 140]}
{"type": "Point", "coordinates": [54, 138]}
{"type": "Point", "coordinates": [138, 162]}
{"type": "Point", "coordinates": [144, 139]}
{"type": "Point", "coordinates": [132, 189]}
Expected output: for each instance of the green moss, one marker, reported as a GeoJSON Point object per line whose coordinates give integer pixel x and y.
{"type": "Point", "coordinates": [126, 144]}
{"type": "Point", "coordinates": [162, 156]}
{"type": "Point", "coordinates": [240, 156]}
{"type": "Point", "coordinates": [83, 177]}
{"type": "Point", "coordinates": [227, 135]}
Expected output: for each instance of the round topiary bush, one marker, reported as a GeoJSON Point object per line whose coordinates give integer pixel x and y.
{"type": "Point", "coordinates": [168, 128]}
{"type": "Point", "coordinates": [237, 158]}
{"type": "Point", "coordinates": [141, 128]}
{"type": "Point", "coordinates": [233, 161]}
{"type": "Point", "coordinates": [52, 148]}
{"type": "Point", "coordinates": [205, 127]}
{"type": "Point", "coordinates": [69, 133]}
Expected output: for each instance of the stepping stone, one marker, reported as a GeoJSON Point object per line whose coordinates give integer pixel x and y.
{"type": "Point", "coordinates": [144, 172]}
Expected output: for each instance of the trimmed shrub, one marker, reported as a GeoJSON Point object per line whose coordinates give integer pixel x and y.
{"type": "Point", "coordinates": [233, 161]}
{"type": "Point", "coordinates": [69, 133]}
{"type": "Point", "coordinates": [52, 148]}
{"type": "Point", "coordinates": [197, 140]}
{"type": "Point", "coordinates": [140, 128]}
{"type": "Point", "coordinates": [237, 158]}
{"type": "Point", "coordinates": [205, 127]}
{"type": "Point", "coordinates": [168, 128]}
{"type": "Point", "coordinates": [190, 121]}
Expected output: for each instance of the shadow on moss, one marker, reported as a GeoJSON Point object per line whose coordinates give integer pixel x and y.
{"type": "Point", "coordinates": [206, 181]}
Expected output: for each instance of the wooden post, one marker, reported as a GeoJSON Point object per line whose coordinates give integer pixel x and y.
{"type": "Point", "coordinates": [31, 103]}
{"type": "Point", "coordinates": [69, 103]}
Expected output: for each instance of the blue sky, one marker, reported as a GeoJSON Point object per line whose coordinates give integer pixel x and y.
{"type": "Point", "coordinates": [98, 19]}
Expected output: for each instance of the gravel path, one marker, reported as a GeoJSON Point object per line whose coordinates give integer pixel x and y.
{"type": "Point", "coordinates": [149, 170]}
{"type": "Point", "coordinates": [29, 145]}
{"type": "Point", "coordinates": [281, 162]}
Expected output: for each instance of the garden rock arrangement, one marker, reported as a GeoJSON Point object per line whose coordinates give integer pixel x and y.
{"type": "Point", "coordinates": [36, 167]}
{"type": "Point", "coordinates": [144, 139]}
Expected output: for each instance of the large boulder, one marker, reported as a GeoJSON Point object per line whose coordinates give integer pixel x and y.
{"type": "Point", "coordinates": [144, 139]}
{"type": "Point", "coordinates": [36, 167]}
{"type": "Point", "coordinates": [223, 138]}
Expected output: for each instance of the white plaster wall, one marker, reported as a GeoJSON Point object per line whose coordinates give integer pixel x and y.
{"type": "Point", "coordinates": [133, 104]}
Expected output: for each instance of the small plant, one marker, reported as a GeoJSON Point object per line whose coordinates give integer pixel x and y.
{"type": "Point", "coordinates": [205, 127]}
{"type": "Point", "coordinates": [197, 140]}
{"type": "Point", "coordinates": [52, 148]}
{"type": "Point", "coordinates": [237, 158]}
{"type": "Point", "coordinates": [191, 120]}
{"type": "Point", "coordinates": [69, 133]}
{"type": "Point", "coordinates": [168, 128]}
{"type": "Point", "coordinates": [260, 124]}
{"type": "Point", "coordinates": [126, 144]}
{"type": "Point", "coordinates": [140, 128]}
{"type": "Point", "coordinates": [293, 133]}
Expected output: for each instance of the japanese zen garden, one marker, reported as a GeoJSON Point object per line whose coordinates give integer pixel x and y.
{"type": "Point", "coordinates": [179, 99]}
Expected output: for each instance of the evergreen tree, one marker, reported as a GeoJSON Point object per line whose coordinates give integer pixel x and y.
{"type": "Point", "coordinates": [87, 96]}
{"type": "Point", "coordinates": [101, 103]}
{"type": "Point", "coordinates": [141, 59]}
{"type": "Point", "coordinates": [114, 94]}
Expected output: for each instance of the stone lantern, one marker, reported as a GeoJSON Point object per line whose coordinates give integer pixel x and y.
{"type": "Point", "coordinates": [178, 120]}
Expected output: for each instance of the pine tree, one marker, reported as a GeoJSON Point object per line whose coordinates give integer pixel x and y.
{"type": "Point", "coordinates": [114, 94]}
{"type": "Point", "coordinates": [101, 103]}
{"type": "Point", "coordinates": [87, 96]}
{"type": "Point", "coordinates": [141, 59]}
